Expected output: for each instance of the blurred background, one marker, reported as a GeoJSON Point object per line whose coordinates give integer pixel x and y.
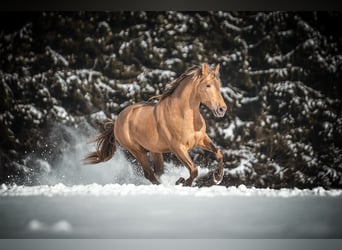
{"type": "Point", "coordinates": [63, 73]}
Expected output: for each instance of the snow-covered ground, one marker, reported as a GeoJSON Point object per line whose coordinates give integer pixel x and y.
{"type": "Point", "coordinates": [167, 211]}
{"type": "Point", "coordinates": [114, 190]}
{"type": "Point", "coordinates": [114, 200]}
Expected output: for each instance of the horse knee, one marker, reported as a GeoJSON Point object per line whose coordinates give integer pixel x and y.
{"type": "Point", "coordinates": [219, 155]}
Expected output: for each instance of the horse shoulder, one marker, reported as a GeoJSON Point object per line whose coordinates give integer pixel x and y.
{"type": "Point", "coordinates": [199, 123]}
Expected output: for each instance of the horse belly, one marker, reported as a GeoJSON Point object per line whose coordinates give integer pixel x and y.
{"type": "Point", "coordinates": [150, 139]}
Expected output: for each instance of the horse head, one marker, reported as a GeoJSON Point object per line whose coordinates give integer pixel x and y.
{"type": "Point", "coordinates": [209, 90]}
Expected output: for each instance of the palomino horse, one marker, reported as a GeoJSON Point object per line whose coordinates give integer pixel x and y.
{"type": "Point", "coordinates": [173, 124]}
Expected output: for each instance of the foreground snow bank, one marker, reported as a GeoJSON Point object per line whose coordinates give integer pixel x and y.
{"type": "Point", "coordinates": [167, 211]}
{"type": "Point", "coordinates": [131, 189]}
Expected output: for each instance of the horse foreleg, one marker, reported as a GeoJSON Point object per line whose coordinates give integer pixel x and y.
{"type": "Point", "coordinates": [207, 144]}
{"type": "Point", "coordinates": [183, 155]}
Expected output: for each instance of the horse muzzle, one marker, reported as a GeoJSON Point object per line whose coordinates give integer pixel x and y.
{"type": "Point", "coordinates": [219, 111]}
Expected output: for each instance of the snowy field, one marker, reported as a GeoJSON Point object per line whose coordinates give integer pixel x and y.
{"type": "Point", "coordinates": [165, 211]}
{"type": "Point", "coordinates": [114, 200]}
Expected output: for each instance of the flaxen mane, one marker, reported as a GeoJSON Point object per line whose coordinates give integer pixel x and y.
{"type": "Point", "coordinates": [194, 71]}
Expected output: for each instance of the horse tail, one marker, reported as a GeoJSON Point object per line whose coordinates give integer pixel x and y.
{"type": "Point", "coordinates": [106, 145]}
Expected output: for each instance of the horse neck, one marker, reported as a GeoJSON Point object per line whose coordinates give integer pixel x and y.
{"type": "Point", "coordinates": [185, 96]}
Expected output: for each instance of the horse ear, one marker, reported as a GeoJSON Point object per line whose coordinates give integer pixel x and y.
{"type": "Point", "coordinates": [217, 69]}
{"type": "Point", "coordinates": [205, 69]}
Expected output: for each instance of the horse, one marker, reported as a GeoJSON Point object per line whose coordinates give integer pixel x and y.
{"type": "Point", "coordinates": [173, 123]}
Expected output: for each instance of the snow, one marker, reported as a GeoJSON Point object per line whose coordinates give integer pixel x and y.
{"type": "Point", "coordinates": [162, 75]}
{"type": "Point", "coordinates": [103, 87]}
{"type": "Point", "coordinates": [143, 44]}
{"type": "Point", "coordinates": [229, 132]}
{"type": "Point", "coordinates": [31, 112]}
{"type": "Point", "coordinates": [130, 89]}
{"type": "Point", "coordinates": [309, 43]}
{"type": "Point", "coordinates": [230, 26]}
{"type": "Point", "coordinates": [56, 56]}
{"type": "Point", "coordinates": [99, 116]}
{"type": "Point", "coordinates": [114, 200]}
{"type": "Point", "coordinates": [278, 59]}
{"type": "Point", "coordinates": [229, 93]}
{"type": "Point", "coordinates": [172, 61]}
{"type": "Point", "coordinates": [73, 78]}
{"type": "Point", "coordinates": [119, 177]}
{"type": "Point", "coordinates": [61, 226]}
{"type": "Point", "coordinates": [145, 211]}
{"type": "Point", "coordinates": [60, 112]}
{"type": "Point", "coordinates": [245, 165]}
{"type": "Point", "coordinates": [43, 165]}
{"type": "Point", "coordinates": [181, 28]}
{"type": "Point", "coordinates": [163, 189]}
{"type": "Point", "coordinates": [247, 100]}
{"type": "Point", "coordinates": [104, 25]}
{"type": "Point", "coordinates": [123, 46]}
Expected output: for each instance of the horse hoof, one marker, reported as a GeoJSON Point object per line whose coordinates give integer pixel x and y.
{"type": "Point", "coordinates": [217, 180]}
{"type": "Point", "coordinates": [187, 183]}
{"type": "Point", "coordinates": [181, 180]}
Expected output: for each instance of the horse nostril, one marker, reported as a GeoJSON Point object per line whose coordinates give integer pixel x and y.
{"type": "Point", "coordinates": [219, 111]}
{"type": "Point", "coordinates": [222, 109]}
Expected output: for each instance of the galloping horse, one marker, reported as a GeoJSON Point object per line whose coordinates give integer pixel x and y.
{"type": "Point", "coordinates": [173, 124]}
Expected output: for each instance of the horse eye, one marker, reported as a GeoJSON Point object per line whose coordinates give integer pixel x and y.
{"type": "Point", "coordinates": [208, 85]}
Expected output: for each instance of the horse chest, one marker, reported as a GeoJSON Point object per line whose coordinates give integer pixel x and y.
{"type": "Point", "coordinates": [191, 135]}
{"type": "Point", "coordinates": [180, 127]}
